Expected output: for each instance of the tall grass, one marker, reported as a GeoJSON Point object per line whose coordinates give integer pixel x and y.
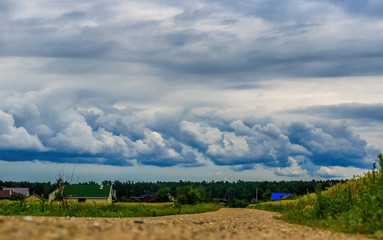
{"type": "Point", "coordinates": [355, 206]}
{"type": "Point", "coordinates": [101, 209]}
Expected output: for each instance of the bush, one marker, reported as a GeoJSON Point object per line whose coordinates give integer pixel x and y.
{"type": "Point", "coordinates": [161, 198]}
{"type": "Point", "coordinates": [17, 197]}
{"type": "Point", "coordinates": [266, 196]}
{"type": "Point", "coordinates": [124, 199]}
{"type": "Point", "coordinates": [236, 203]}
{"type": "Point", "coordinates": [188, 195]}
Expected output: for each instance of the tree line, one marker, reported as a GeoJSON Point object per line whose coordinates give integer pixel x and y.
{"type": "Point", "coordinates": [203, 191]}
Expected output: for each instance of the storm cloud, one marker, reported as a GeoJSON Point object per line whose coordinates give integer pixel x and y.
{"type": "Point", "coordinates": [260, 38]}
{"type": "Point", "coordinates": [353, 111]}
{"type": "Point", "coordinates": [37, 126]}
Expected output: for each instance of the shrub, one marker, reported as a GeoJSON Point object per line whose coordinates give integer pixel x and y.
{"type": "Point", "coordinates": [161, 198]}
{"type": "Point", "coordinates": [17, 197]}
{"type": "Point", "coordinates": [236, 203]}
{"type": "Point", "coordinates": [188, 195]}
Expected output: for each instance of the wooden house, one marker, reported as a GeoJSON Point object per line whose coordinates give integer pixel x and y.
{"type": "Point", "coordinates": [5, 194]}
{"type": "Point", "coordinates": [52, 195]}
{"type": "Point", "coordinates": [86, 193]}
{"type": "Point", "coordinates": [34, 198]}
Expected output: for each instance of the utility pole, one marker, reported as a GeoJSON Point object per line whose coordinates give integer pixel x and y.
{"type": "Point", "coordinates": [256, 195]}
{"type": "Point", "coordinates": [228, 195]}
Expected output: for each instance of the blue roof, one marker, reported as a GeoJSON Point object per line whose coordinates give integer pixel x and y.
{"type": "Point", "coordinates": [277, 196]}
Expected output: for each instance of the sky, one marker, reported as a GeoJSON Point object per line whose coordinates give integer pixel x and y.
{"type": "Point", "coordinates": [190, 90]}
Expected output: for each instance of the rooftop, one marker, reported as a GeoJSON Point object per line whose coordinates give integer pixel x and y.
{"type": "Point", "coordinates": [87, 191]}
{"type": "Point", "coordinates": [4, 194]}
{"type": "Point", "coordinates": [24, 191]}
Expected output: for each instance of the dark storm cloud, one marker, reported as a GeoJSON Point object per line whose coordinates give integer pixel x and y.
{"type": "Point", "coordinates": [369, 8]}
{"type": "Point", "coordinates": [64, 157]}
{"type": "Point", "coordinates": [278, 10]}
{"type": "Point", "coordinates": [330, 144]}
{"type": "Point", "coordinates": [282, 38]}
{"type": "Point", "coordinates": [353, 111]}
{"type": "Point", "coordinates": [40, 39]}
{"type": "Point", "coordinates": [6, 7]}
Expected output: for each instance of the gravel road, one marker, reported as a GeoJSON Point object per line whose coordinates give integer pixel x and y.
{"type": "Point", "coordinates": [223, 224]}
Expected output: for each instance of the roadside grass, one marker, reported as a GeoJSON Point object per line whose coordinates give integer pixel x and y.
{"type": "Point", "coordinates": [355, 206]}
{"type": "Point", "coordinates": [101, 209]}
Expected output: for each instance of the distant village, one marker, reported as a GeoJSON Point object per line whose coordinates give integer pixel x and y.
{"type": "Point", "coordinates": [89, 193]}
{"type": "Point", "coordinates": [76, 193]}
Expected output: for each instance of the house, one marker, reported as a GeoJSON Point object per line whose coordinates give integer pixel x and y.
{"type": "Point", "coordinates": [5, 194]}
{"type": "Point", "coordinates": [278, 196]}
{"type": "Point", "coordinates": [86, 193]}
{"type": "Point", "coordinates": [15, 191]}
{"type": "Point", "coordinates": [147, 197]}
{"type": "Point", "coordinates": [34, 198]}
{"type": "Point", "coordinates": [52, 195]}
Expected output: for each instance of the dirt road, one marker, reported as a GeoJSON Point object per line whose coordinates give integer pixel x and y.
{"type": "Point", "coordinates": [223, 224]}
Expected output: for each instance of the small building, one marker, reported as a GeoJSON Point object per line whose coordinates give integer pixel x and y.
{"type": "Point", "coordinates": [278, 196]}
{"type": "Point", "coordinates": [86, 193]}
{"type": "Point", "coordinates": [5, 194]}
{"type": "Point", "coordinates": [15, 191]}
{"type": "Point", "coordinates": [52, 195]}
{"type": "Point", "coordinates": [34, 198]}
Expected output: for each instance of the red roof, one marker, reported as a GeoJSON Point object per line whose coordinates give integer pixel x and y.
{"type": "Point", "coordinates": [24, 191]}
{"type": "Point", "coordinates": [4, 194]}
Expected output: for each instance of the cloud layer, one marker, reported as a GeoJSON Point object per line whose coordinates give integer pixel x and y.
{"type": "Point", "coordinates": [35, 126]}
{"type": "Point", "coordinates": [260, 38]}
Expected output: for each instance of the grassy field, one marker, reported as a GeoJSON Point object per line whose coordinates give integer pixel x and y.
{"type": "Point", "coordinates": [355, 206]}
{"type": "Point", "coordinates": [101, 209]}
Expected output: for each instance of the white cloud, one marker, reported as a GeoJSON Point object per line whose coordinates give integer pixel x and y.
{"type": "Point", "coordinates": [293, 170]}
{"type": "Point", "coordinates": [135, 11]}
{"type": "Point", "coordinates": [16, 138]}
{"type": "Point", "coordinates": [232, 145]}
{"type": "Point", "coordinates": [340, 172]}
{"type": "Point", "coordinates": [266, 144]}
{"type": "Point", "coordinates": [202, 135]}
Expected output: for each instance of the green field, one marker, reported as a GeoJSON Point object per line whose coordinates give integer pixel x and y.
{"type": "Point", "coordinates": [101, 209]}
{"type": "Point", "coordinates": [355, 206]}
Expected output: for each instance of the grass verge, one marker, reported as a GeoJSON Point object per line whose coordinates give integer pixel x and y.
{"type": "Point", "coordinates": [355, 206]}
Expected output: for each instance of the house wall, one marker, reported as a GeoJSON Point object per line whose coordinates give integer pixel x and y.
{"type": "Point", "coordinates": [89, 200]}
{"type": "Point", "coordinates": [52, 195]}
{"type": "Point", "coordinates": [110, 198]}
{"type": "Point", "coordinates": [97, 200]}
{"type": "Point", "coordinates": [33, 198]}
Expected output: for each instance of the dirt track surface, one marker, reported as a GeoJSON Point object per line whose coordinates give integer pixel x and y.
{"type": "Point", "coordinates": [223, 224]}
